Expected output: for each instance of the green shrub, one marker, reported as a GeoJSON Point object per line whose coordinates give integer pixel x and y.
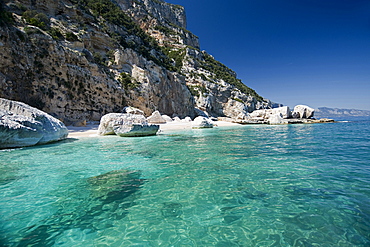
{"type": "Point", "coordinates": [34, 18]}
{"type": "Point", "coordinates": [56, 34]}
{"type": "Point", "coordinates": [71, 37]}
{"type": "Point", "coordinates": [167, 31]}
{"type": "Point", "coordinates": [127, 81]}
{"type": "Point", "coordinates": [113, 14]}
{"type": "Point", "coordinates": [5, 16]}
{"type": "Point", "coordinates": [226, 74]}
{"type": "Point", "coordinates": [177, 55]}
{"type": "Point", "coordinates": [197, 90]}
{"type": "Point", "coordinates": [98, 58]}
{"type": "Point", "coordinates": [194, 91]}
{"type": "Point", "coordinates": [239, 100]}
{"type": "Point", "coordinates": [31, 30]}
{"type": "Point", "coordinates": [204, 78]}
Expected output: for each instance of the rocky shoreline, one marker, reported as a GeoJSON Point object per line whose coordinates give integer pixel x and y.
{"type": "Point", "coordinates": [22, 125]}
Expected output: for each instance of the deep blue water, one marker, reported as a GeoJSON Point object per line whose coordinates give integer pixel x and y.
{"type": "Point", "coordinates": [256, 185]}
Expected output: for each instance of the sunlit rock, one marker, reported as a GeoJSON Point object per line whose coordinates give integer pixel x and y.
{"type": "Point", "coordinates": [132, 110]}
{"type": "Point", "coordinates": [22, 125]}
{"type": "Point", "coordinates": [167, 118]}
{"type": "Point", "coordinates": [276, 119]}
{"type": "Point", "coordinates": [303, 111]}
{"type": "Point", "coordinates": [125, 124]}
{"type": "Point", "coordinates": [156, 118]}
{"type": "Point", "coordinates": [201, 122]}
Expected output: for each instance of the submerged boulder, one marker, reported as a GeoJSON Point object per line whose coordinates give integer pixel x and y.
{"type": "Point", "coordinates": [125, 124]}
{"type": "Point", "coordinates": [115, 185]}
{"type": "Point", "coordinates": [201, 122]}
{"type": "Point", "coordinates": [108, 199]}
{"type": "Point", "coordinates": [22, 125]}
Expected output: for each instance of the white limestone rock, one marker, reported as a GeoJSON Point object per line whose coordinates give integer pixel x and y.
{"type": "Point", "coordinates": [156, 118]}
{"type": "Point", "coordinates": [22, 125]}
{"type": "Point", "coordinates": [303, 111]}
{"type": "Point", "coordinates": [201, 122]}
{"type": "Point", "coordinates": [277, 119]}
{"type": "Point", "coordinates": [125, 124]}
{"type": "Point", "coordinates": [132, 110]}
{"type": "Point", "coordinates": [186, 120]}
{"type": "Point", "coordinates": [18, 131]}
{"type": "Point", "coordinates": [267, 113]}
{"type": "Point", "coordinates": [258, 114]}
{"type": "Point", "coordinates": [284, 111]}
{"type": "Point", "coordinates": [136, 130]}
{"type": "Point", "coordinates": [177, 119]}
{"type": "Point", "coordinates": [167, 118]}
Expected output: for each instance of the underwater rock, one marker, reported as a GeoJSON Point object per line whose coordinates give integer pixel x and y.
{"type": "Point", "coordinates": [302, 192]}
{"type": "Point", "coordinates": [171, 210]}
{"type": "Point", "coordinates": [115, 185]}
{"type": "Point", "coordinates": [110, 195]}
{"type": "Point", "coordinates": [231, 218]}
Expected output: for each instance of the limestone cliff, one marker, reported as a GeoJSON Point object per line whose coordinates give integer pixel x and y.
{"type": "Point", "coordinates": [81, 59]}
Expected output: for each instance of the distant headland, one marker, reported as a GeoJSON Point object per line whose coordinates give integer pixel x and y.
{"type": "Point", "coordinates": [338, 113]}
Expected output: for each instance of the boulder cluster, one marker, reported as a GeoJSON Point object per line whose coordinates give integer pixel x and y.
{"type": "Point", "coordinates": [132, 122]}
{"type": "Point", "coordinates": [283, 115]}
{"type": "Point", "coordinates": [22, 125]}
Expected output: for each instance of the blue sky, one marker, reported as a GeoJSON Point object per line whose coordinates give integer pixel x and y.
{"type": "Point", "coordinates": [313, 52]}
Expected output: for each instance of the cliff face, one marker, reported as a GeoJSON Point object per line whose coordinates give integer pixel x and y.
{"type": "Point", "coordinates": [79, 60]}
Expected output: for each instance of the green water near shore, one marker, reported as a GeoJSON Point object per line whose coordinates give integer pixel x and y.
{"type": "Point", "coordinates": [296, 185]}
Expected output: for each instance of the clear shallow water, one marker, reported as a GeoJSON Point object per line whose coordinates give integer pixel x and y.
{"type": "Point", "coordinates": [295, 185]}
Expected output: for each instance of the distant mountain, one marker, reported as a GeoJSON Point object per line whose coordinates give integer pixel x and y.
{"type": "Point", "coordinates": [335, 112]}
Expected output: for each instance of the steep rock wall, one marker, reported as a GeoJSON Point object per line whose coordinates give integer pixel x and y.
{"type": "Point", "coordinates": [73, 79]}
{"type": "Point", "coordinates": [79, 62]}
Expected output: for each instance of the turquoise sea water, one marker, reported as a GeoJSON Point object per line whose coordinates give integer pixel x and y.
{"type": "Point", "coordinates": [295, 185]}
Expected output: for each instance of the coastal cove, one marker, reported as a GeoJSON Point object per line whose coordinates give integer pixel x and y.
{"type": "Point", "coordinates": [250, 185]}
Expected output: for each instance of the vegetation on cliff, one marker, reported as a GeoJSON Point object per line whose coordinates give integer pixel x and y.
{"type": "Point", "coordinates": [5, 16]}
{"type": "Point", "coordinates": [112, 13]}
{"type": "Point", "coordinates": [97, 56]}
{"type": "Point", "coordinates": [221, 71]}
